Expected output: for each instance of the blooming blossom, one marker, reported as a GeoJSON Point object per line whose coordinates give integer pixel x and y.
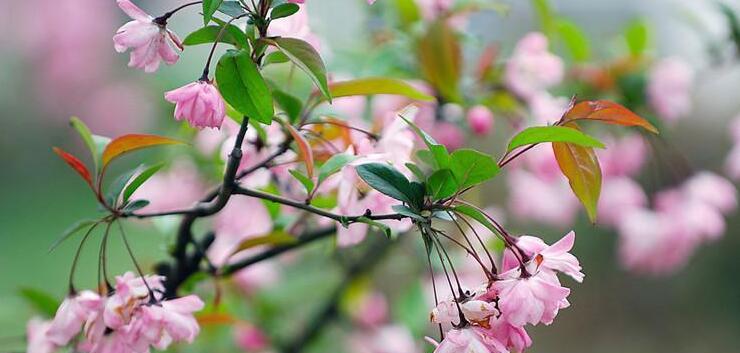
{"type": "Point", "coordinates": [199, 103]}
{"type": "Point", "coordinates": [534, 299]}
{"type": "Point", "coordinates": [38, 339]}
{"type": "Point", "coordinates": [669, 88]}
{"type": "Point", "coordinates": [469, 340]}
{"type": "Point", "coordinates": [532, 68]}
{"type": "Point", "coordinates": [480, 120]}
{"type": "Point", "coordinates": [148, 38]}
{"type": "Point", "coordinates": [555, 257]}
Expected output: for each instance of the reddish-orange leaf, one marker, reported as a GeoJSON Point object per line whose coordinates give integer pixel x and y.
{"type": "Point", "coordinates": [76, 164]}
{"type": "Point", "coordinates": [211, 319]}
{"type": "Point", "coordinates": [581, 166]}
{"type": "Point", "coordinates": [608, 112]}
{"type": "Point", "coordinates": [304, 148]}
{"type": "Point", "coordinates": [128, 143]}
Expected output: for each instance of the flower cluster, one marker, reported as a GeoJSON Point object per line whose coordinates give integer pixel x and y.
{"type": "Point", "coordinates": [527, 291]}
{"type": "Point", "coordinates": [132, 318]}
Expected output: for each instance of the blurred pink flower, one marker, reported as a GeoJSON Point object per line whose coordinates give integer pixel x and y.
{"type": "Point", "coordinates": [148, 38]}
{"type": "Point", "coordinates": [38, 340]}
{"type": "Point", "coordinates": [534, 199]}
{"type": "Point", "coordinates": [385, 339]}
{"type": "Point", "coordinates": [199, 103]}
{"type": "Point", "coordinates": [175, 189]}
{"type": "Point", "coordinates": [371, 309]}
{"type": "Point", "coordinates": [547, 109]}
{"type": "Point", "coordinates": [71, 315]}
{"type": "Point", "coordinates": [295, 26]}
{"type": "Point", "coordinates": [619, 195]}
{"type": "Point", "coordinates": [713, 190]}
{"type": "Point", "coordinates": [250, 338]}
{"type": "Point", "coordinates": [732, 163]}
{"type": "Point", "coordinates": [480, 120]}
{"type": "Point", "coordinates": [669, 88]}
{"type": "Point", "coordinates": [515, 338]}
{"type": "Point", "coordinates": [622, 157]}
{"type": "Point", "coordinates": [532, 68]}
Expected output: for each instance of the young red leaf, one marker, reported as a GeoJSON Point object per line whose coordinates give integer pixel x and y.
{"type": "Point", "coordinates": [304, 149]}
{"type": "Point", "coordinates": [581, 166]}
{"type": "Point", "coordinates": [133, 142]}
{"type": "Point", "coordinates": [608, 112]}
{"type": "Point", "coordinates": [76, 164]}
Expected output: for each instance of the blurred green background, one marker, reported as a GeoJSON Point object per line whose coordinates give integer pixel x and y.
{"type": "Point", "coordinates": [696, 310]}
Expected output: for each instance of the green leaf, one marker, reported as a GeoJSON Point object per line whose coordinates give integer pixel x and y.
{"type": "Point", "coordinates": [231, 8]}
{"type": "Point", "coordinates": [87, 137]}
{"type": "Point", "coordinates": [140, 179]}
{"type": "Point", "coordinates": [209, 8]}
{"type": "Point", "coordinates": [276, 57]}
{"type": "Point", "coordinates": [333, 165]}
{"type": "Point", "coordinates": [382, 226]}
{"type": "Point", "coordinates": [306, 58]}
{"type": "Point", "coordinates": [405, 211]}
{"type": "Point", "coordinates": [232, 35]}
{"type": "Point", "coordinates": [72, 230]}
{"type": "Point", "coordinates": [408, 11]}
{"type": "Point", "coordinates": [291, 105]}
{"type": "Point", "coordinates": [243, 87]}
{"type": "Point", "coordinates": [43, 302]}
{"type": "Point", "coordinates": [114, 192]}
{"type": "Point", "coordinates": [438, 150]}
{"type": "Point", "coordinates": [539, 134]}
{"type": "Point", "coordinates": [546, 15]}
{"type": "Point", "coordinates": [283, 10]}
{"type": "Point", "coordinates": [303, 179]}
{"type": "Point", "coordinates": [135, 205]}
{"type": "Point", "coordinates": [418, 173]}
{"type": "Point", "coordinates": [441, 184]}
{"type": "Point", "coordinates": [574, 39]}
{"type": "Point", "coordinates": [637, 36]}
{"type": "Point", "coordinates": [471, 167]}
{"type": "Point", "coordinates": [390, 182]}
{"type": "Point", "coordinates": [377, 85]}
{"type": "Point", "coordinates": [275, 238]}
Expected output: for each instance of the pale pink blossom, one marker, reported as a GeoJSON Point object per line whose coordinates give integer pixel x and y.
{"type": "Point", "coordinates": [515, 338]}
{"type": "Point", "coordinates": [713, 190]}
{"type": "Point", "coordinates": [148, 38]}
{"type": "Point", "coordinates": [532, 68]}
{"type": "Point", "coordinates": [622, 157]}
{"type": "Point", "coordinates": [241, 219]}
{"type": "Point", "coordinates": [250, 338]}
{"type": "Point", "coordinates": [480, 120]}
{"type": "Point", "coordinates": [534, 299]}
{"type": "Point", "coordinates": [547, 109]}
{"type": "Point", "coordinates": [295, 26]}
{"type": "Point", "coordinates": [555, 257]}
{"type": "Point", "coordinates": [71, 315]}
{"type": "Point", "coordinates": [177, 188]}
{"type": "Point", "coordinates": [669, 88]}
{"type": "Point", "coordinates": [535, 199]}
{"type": "Point", "coordinates": [384, 339]}
{"type": "Point", "coordinates": [618, 196]}
{"type": "Point", "coordinates": [169, 321]}
{"type": "Point", "coordinates": [199, 103]}
{"type": "Point", "coordinates": [370, 310]}
{"type": "Point", "coordinates": [469, 340]}
{"type": "Point", "coordinates": [38, 340]}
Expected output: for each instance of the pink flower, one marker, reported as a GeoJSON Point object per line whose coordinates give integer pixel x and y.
{"type": "Point", "coordinates": [171, 320]}
{"type": "Point", "coordinates": [250, 338]}
{"type": "Point", "coordinates": [199, 103]}
{"type": "Point", "coordinates": [480, 120]}
{"type": "Point", "coordinates": [532, 68]}
{"type": "Point", "coordinates": [622, 157]}
{"type": "Point", "coordinates": [547, 109]}
{"type": "Point", "coordinates": [148, 38]}
{"type": "Point", "coordinates": [669, 88]}
{"type": "Point", "coordinates": [295, 26]}
{"type": "Point", "coordinates": [384, 339]}
{"type": "Point", "coordinates": [515, 338]}
{"type": "Point", "coordinates": [71, 315]}
{"type": "Point", "coordinates": [619, 195]}
{"type": "Point", "coordinates": [38, 340]}
{"type": "Point", "coordinates": [555, 257]}
{"type": "Point", "coordinates": [732, 163]}
{"type": "Point", "coordinates": [469, 340]}
{"type": "Point", "coordinates": [181, 176]}
{"type": "Point", "coordinates": [713, 190]}
{"type": "Point", "coordinates": [534, 299]}
{"type": "Point", "coordinates": [547, 201]}
{"type": "Point", "coordinates": [370, 310]}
